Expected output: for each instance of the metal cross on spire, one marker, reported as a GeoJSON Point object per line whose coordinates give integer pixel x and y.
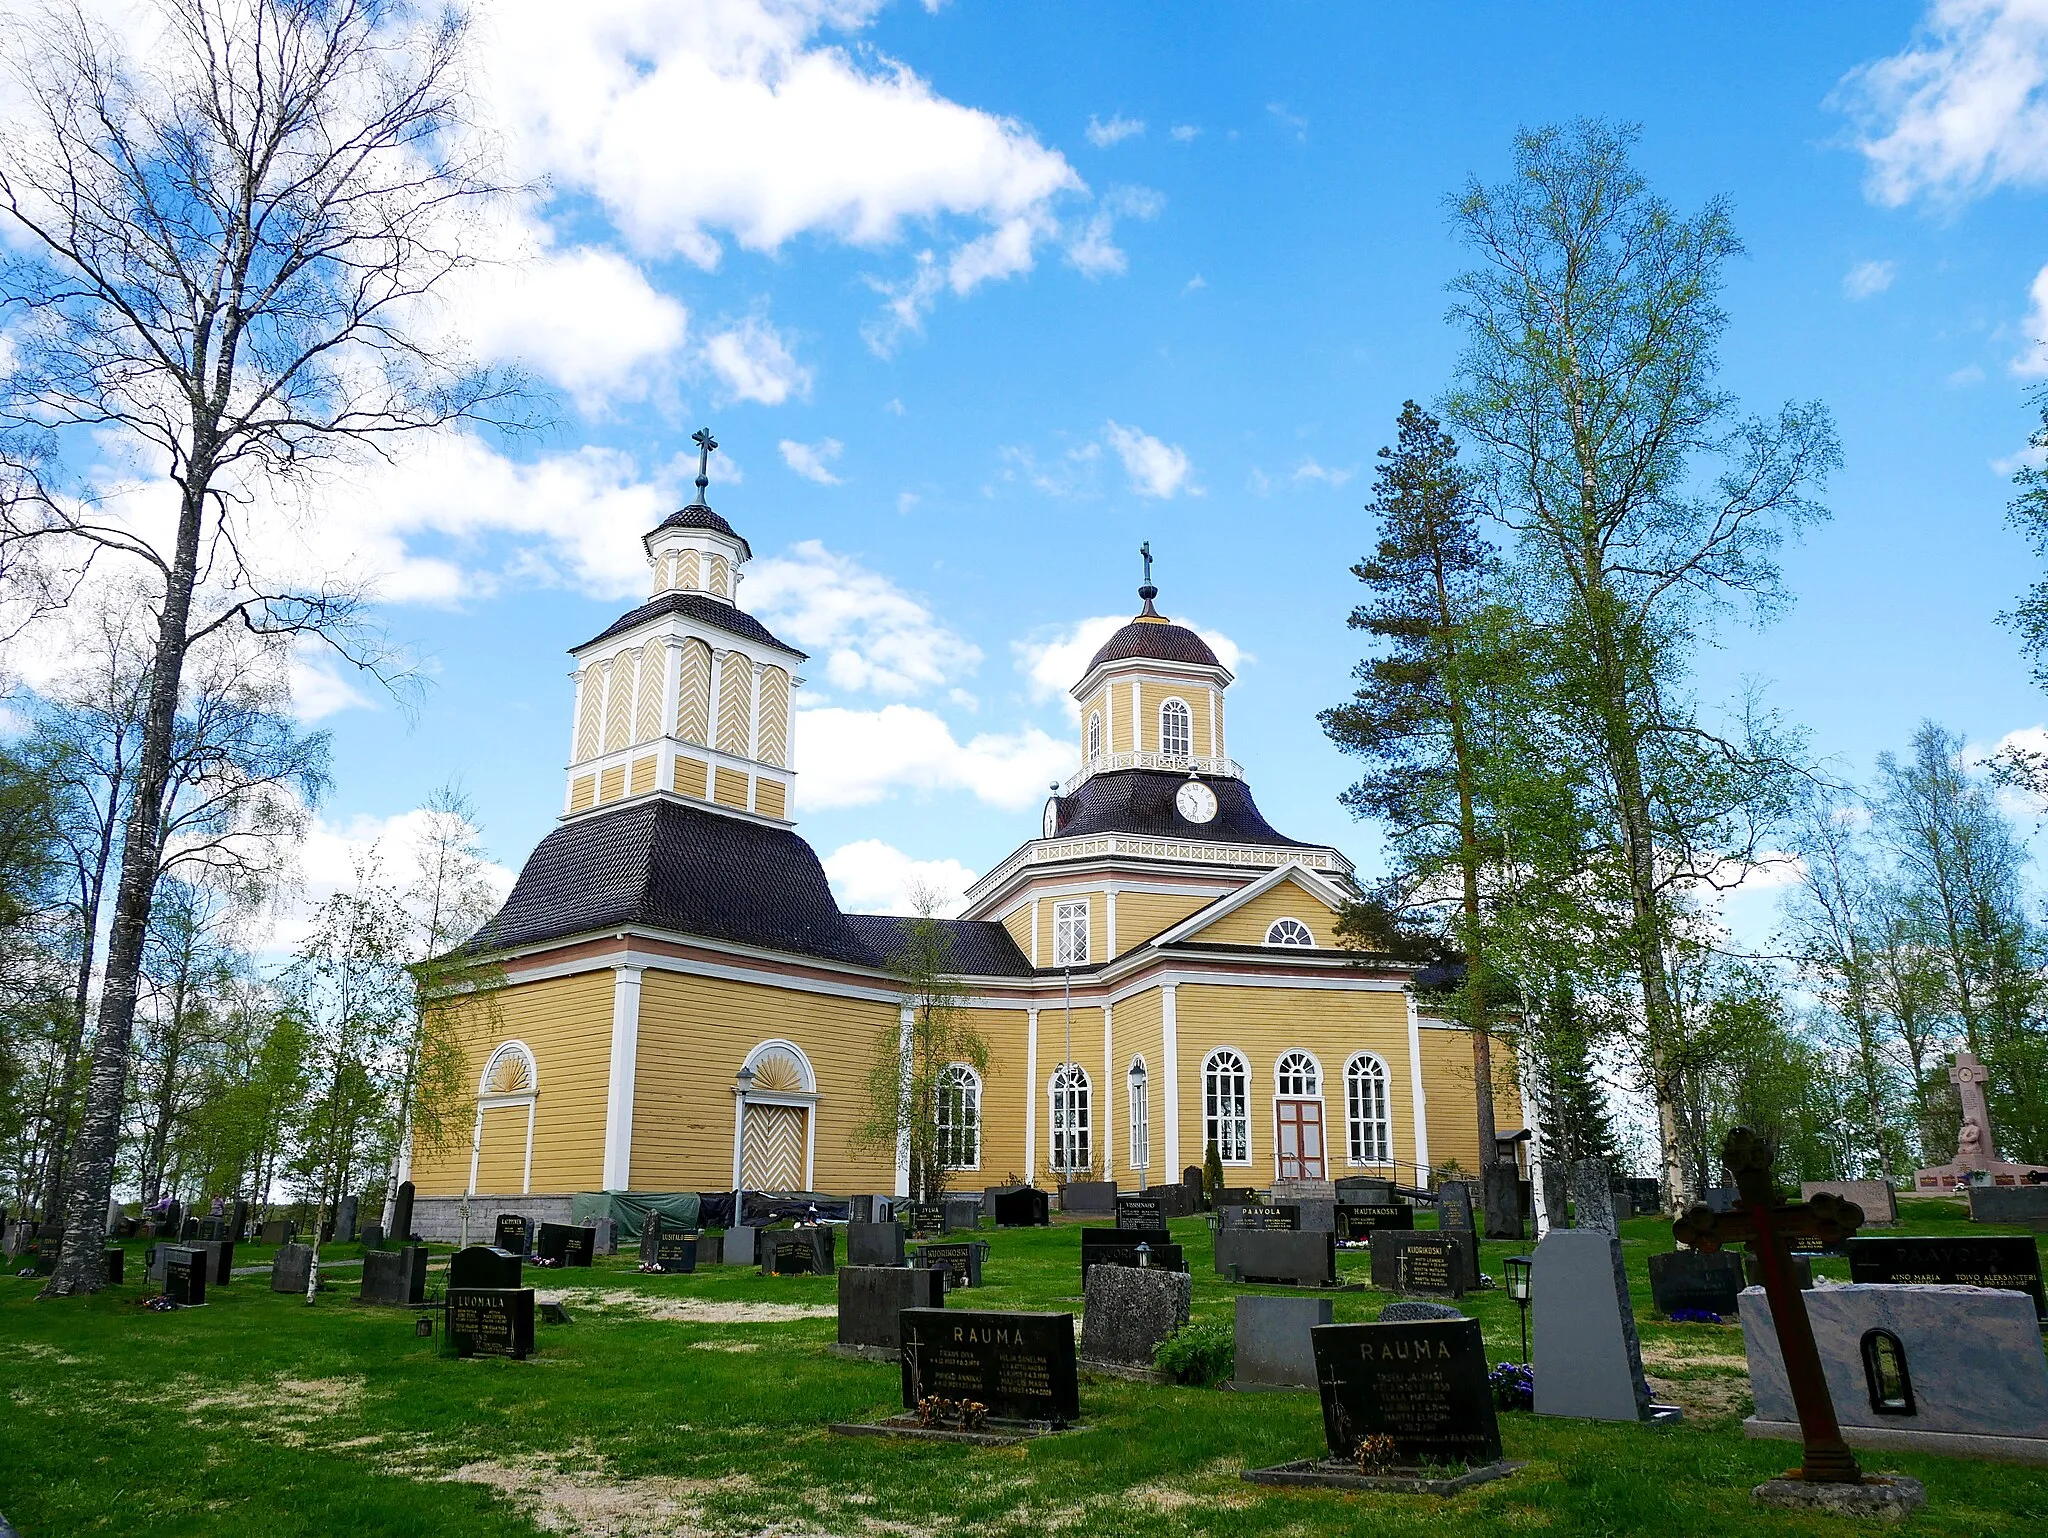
{"type": "Point", "coordinates": [1145, 550]}
{"type": "Point", "coordinates": [705, 444]}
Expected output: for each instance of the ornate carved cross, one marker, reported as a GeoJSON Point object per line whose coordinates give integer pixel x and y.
{"type": "Point", "coordinates": [1768, 1226]}
{"type": "Point", "coordinates": [705, 444]}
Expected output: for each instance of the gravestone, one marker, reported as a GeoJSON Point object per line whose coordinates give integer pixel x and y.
{"type": "Point", "coordinates": [1977, 1157]}
{"type": "Point", "coordinates": [1317, 1216]}
{"type": "Point", "coordinates": [513, 1232]}
{"type": "Point", "coordinates": [1593, 1196]}
{"type": "Point", "coordinates": [1692, 1279]}
{"type": "Point", "coordinates": [1304, 1191]}
{"type": "Point", "coordinates": [484, 1268]}
{"type": "Point", "coordinates": [1089, 1198]}
{"type": "Point", "coordinates": [189, 1230]}
{"type": "Point", "coordinates": [220, 1260]}
{"type": "Point", "coordinates": [1027, 1207]}
{"type": "Point", "coordinates": [1431, 1265]}
{"type": "Point", "coordinates": [1408, 1310]}
{"type": "Point", "coordinates": [1192, 1181]}
{"type": "Point", "coordinates": [401, 1214]}
{"type": "Point", "coordinates": [1454, 1207]}
{"type": "Point", "coordinates": [1645, 1196]}
{"type": "Point", "coordinates": [1019, 1365]}
{"type": "Point", "coordinates": [1421, 1384]}
{"type": "Point", "coordinates": [2015, 1204]}
{"type": "Point", "coordinates": [278, 1231]}
{"type": "Point", "coordinates": [1175, 1200]}
{"type": "Point", "coordinates": [1284, 1257]}
{"type": "Point", "coordinates": [1119, 1247]}
{"type": "Point", "coordinates": [1272, 1335]}
{"type": "Point", "coordinates": [739, 1247]}
{"type": "Point", "coordinates": [1556, 1192]}
{"type": "Point", "coordinates": [1719, 1198]}
{"type": "Point", "coordinates": [1584, 1353]}
{"type": "Point", "coordinates": [962, 1213]}
{"type": "Point", "coordinates": [797, 1251]}
{"type": "Point", "coordinates": [650, 1237]}
{"type": "Point", "coordinates": [960, 1263]}
{"type": "Point", "coordinates": [674, 1252]}
{"type": "Point", "coordinates": [373, 1236]}
{"type": "Point", "coordinates": [1801, 1268]}
{"type": "Point", "coordinates": [117, 1266]}
{"type": "Point", "coordinates": [212, 1228]}
{"type": "Point", "coordinates": [345, 1220]}
{"type": "Point", "coordinates": [1501, 1196]}
{"type": "Point", "coordinates": [1880, 1203]}
{"type": "Point", "coordinates": [1365, 1191]}
{"type": "Point", "coordinates": [154, 1272]}
{"type": "Point", "coordinates": [874, 1244]}
{"type": "Point", "coordinates": [1237, 1196]}
{"type": "Point", "coordinates": [604, 1236]}
{"type": "Point", "coordinates": [239, 1223]}
{"type": "Point", "coordinates": [185, 1275]}
{"type": "Point", "coordinates": [561, 1245]}
{"type": "Point", "coordinates": [550, 1242]}
{"type": "Point", "coordinates": [1269, 1215]}
{"type": "Point", "coordinates": [926, 1220]}
{"type": "Point", "coordinates": [1141, 1211]}
{"type": "Point", "coordinates": [395, 1278]}
{"type": "Point", "coordinates": [1129, 1311]}
{"type": "Point", "coordinates": [489, 1321]}
{"type": "Point", "coordinates": [1962, 1371]}
{"type": "Point", "coordinates": [1358, 1221]}
{"type": "Point", "coordinates": [172, 1224]}
{"type": "Point", "coordinates": [2008, 1262]}
{"type": "Point", "coordinates": [872, 1300]}
{"type": "Point", "coordinates": [1389, 1243]}
{"type": "Point", "coordinates": [291, 1268]}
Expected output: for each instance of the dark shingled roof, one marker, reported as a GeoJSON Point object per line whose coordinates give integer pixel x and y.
{"type": "Point", "coordinates": [981, 947]}
{"type": "Point", "coordinates": [1141, 801]}
{"type": "Point", "coordinates": [698, 516]}
{"type": "Point", "coordinates": [1153, 638]}
{"type": "Point", "coordinates": [714, 612]}
{"type": "Point", "coordinates": [666, 865]}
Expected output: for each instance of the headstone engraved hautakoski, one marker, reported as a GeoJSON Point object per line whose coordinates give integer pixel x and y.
{"type": "Point", "coordinates": [1593, 1196]}
{"type": "Point", "coordinates": [1284, 1257]}
{"type": "Point", "coordinates": [490, 1321]}
{"type": "Point", "coordinates": [1357, 1221]}
{"type": "Point", "coordinates": [872, 1300]}
{"type": "Point", "coordinates": [1027, 1207]}
{"type": "Point", "coordinates": [1584, 1353]}
{"type": "Point", "coordinates": [1389, 1243]}
{"type": "Point", "coordinates": [2009, 1262]}
{"type": "Point", "coordinates": [401, 1214]}
{"type": "Point", "coordinates": [483, 1268]}
{"type": "Point", "coordinates": [1421, 1384]}
{"type": "Point", "coordinates": [1431, 1266]}
{"type": "Point", "coordinates": [1692, 1279]}
{"type": "Point", "coordinates": [1020, 1365]}
{"type": "Point", "coordinates": [1130, 1311]}
{"type": "Point", "coordinates": [1272, 1336]}
{"type": "Point", "coordinates": [874, 1244]}
{"type": "Point", "coordinates": [291, 1268]}
{"type": "Point", "coordinates": [1280, 1215]}
{"type": "Point", "coordinates": [675, 1252]}
{"type": "Point", "coordinates": [396, 1278]}
{"type": "Point", "coordinates": [515, 1233]}
{"type": "Point", "coordinates": [1454, 1207]}
{"type": "Point", "coordinates": [1145, 1212]}
{"type": "Point", "coordinates": [927, 1220]}
{"type": "Point", "coordinates": [185, 1275]}
{"type": "Point", "coordinates": [958, 1262]}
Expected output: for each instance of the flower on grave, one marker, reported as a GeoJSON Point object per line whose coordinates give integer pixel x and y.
{"type": "Point", "coordinates": [1374, 1454]}
{"type": "Point", "coordinates": [1514, 1386]}
{"type": "Point", "coordinates": [1694, 1316]}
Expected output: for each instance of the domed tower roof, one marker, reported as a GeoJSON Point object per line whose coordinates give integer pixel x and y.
{"type": "Point", "coordinates": [1156, 638]}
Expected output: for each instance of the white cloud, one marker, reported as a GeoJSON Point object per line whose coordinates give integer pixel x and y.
{"type": "Point", "coordinates": [2028, 458]}
{"type": "Point", "coordinates": [1290, 120]}
{"type": "Point", "coordinates": [1962, 109]}
{"type": "Point", "coordinates": [869, 876]}
{"type": "Point", "coordinates": [1309, 470]}
{"type": "Point", "coordinates": [1156, 468]}
{"type": "Point", "coordinates": [321, 685]}
{"type": "Point", "coordinates": [1968, 374]}
{"type": "Point", "coordinates": [1866, 280]}
{"type": "Point", "coordinates": [1194, 285]}
{"type": "Point", "coordinates": [2032, 361]}
{"type": "Point", "coordinates": [330, 854]}
{"type": "Point", "coordinates": [1119, 128]}
{"type": "Point", "coordinates": [1053, 661]}
{"type": "Point", "coordinates": [813, 460]}
{"type": "Point", "coordinates": [754, 363]}
{"type": "Point", "coordinates": [1071, 475]}
{"type": "Point", "coordinates": [1092, 248]}
{"type": "Point", "coordinates": [859, 757]}
{"type": "Point", "coordinates": [868, 634]}
{"type": "Point", "coordinates": [1183, 133]}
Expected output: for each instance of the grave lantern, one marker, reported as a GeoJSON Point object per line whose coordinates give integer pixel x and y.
{"type": "Point", "coordinates": [1518, 1270]}
{"type": "Point", "coordinates": [1144, 1254]}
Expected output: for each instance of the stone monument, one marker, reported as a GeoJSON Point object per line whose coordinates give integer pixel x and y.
{"type": "Point", "coordinates": [1977, 1143]}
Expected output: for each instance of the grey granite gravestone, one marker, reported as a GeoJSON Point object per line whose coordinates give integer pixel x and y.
{"type": "Point", "coordinates": [1454, 1207]}
{"type": "Point", "coordinates": [1501, 1196]}
{"type": "Point", "coordinates": [1304, 1191]}
{"type": "Point", "coordinates": [1365, 1191]}
{"type": "Point", "coordinates": [962, 1213]}
{"type": "Point", "coordinates": [1274, 1349]}
{"type": "Point", "coordinates": [2018, 1205]}
{"type": "Point", "coordinates": [1880, 1203]}
{"type": "Point", "coordinates": [401, 1214]}
{"type": "Point", "coordinates": [1129, 1311]}
{"type": "Point", "coordinates": [1593, 1196]}
{"type": "Point", "coordinates": [1720, 1198]}
{"type": "Point", "coordinates": [1692, 1279]}
{"type": "Point", "coordinates": [872, 1300]}
{"type": "Point", "coordinates": [1408, 1311]}
{"type": "Point", "coordinates": [395, 1278]}
{"type": "Point", "coordinates": [1089, 1198]}
{"type": "Point", "coordinates": [1388, 1245]}
{"type": "Point", "coordinates": [220, 1259]}
{"type": "Point", "coordinates": [345, 1220]}
{"type": "Point", "coordinates": [874, 1244]}
{"type": "Point", "coordinates": [810, 1251]}
{"type": "Point", "coordinates": [1317, 1217]}
{"type": "Point", "coordinates": [738, 1247]}
{"type": "Point", "coordinates": [1556, 1193]}
{"type": "Point", "coordinates": [154, 1272]}
{"type": "Point", "coordinates": [291, 1268]}
{"type": "Point", "coordinates": [1585, 1356]}
{"type": "Point", "coordinates": [1974, 1383]}
{"type": "Point", "coordinates": [1288, 1257]}
{"type": "Point", "coordinates": [373, 1236]}
{"type": "Point", "coordinates": [1802, 1271]}
{"type": "Point", "coordinates": [276, 1231]}
{"type": "Point", "coordinates": [604, 1236]}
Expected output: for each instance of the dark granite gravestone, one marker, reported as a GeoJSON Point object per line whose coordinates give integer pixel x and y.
{"type": "Point", "coordinates": [1271, 1335]}
{"type": "Point", "coordinates": [401, 1214]}
{"type": "Point", "coordinates": [926, 1220]}
{"type": "Point", "coordinates": [2009, 1262]}
{"type": "Point", "coordinates": [373, 1236]}
{"type": "Point", "coordinates": [1802, 1270]}
{"type": "Point", "coordinates": [1500, 1194]}
{"type": "Point", "coordinates": [874, 1244]}
{"type": "Point", "coordinates": [484, 1268]}
{"type": "Point", "coordinates": [1025, 1208]}
{"type": "Point", "coordinates": [172, 1224]}
{"type": "Point", "coordinates": [1237, 1196]}
{"type": "Point", "coordinates": [963, 1213]}
{"type": "Point", "coordinates": [345, 1220]}
{"type": "Point", "coordinates": [1388, 1243]}
{"type": "Point", "coordinates": [1682, 1279]}
{"type": "Point", "coordinates": [1193, 1181]}
{"type": "Point", "coordinates": [2021, 1206]}
{"type": "Point", "coordinates": [291, 1268]}
{"type": "Point", "coordinates": [798, 1251]}
{"type": "Point", "coordinates": [550, 1241]}
{"type": "Point", "coordinates": [1283, 1215]}
{"type": "Point", "coordinates": [513, 1233]}
{"type": "Point", "coordinates": [189, 1229]}
{"type": "Point", "coordinates": [1019, 1365]}
{"type": "Point", "coordinates": [395, 1278]}
{"type": "Point", "coordinates": [650, 1237]}
{"type": "Point", "coordinates": [1284, 1257]}
{"type": "Point", "coordinates": [1454, 1207]}
{"type": "Point", "coordinates": [561, 1245]}
{"type": "Point", "coordinates": [1129, 1312]}
{"type": "Point", "coordinates": [961, 1263]}
{"type": "Point", "coordinates": [740, 1246]}
{"type": "Point", "coordinates": [1119, 1247]}
{"type": "Point", "coordinates": [1645, 1196]}
{"type": "Point", "coordinates": [489, 1321]}
{"type": "Point", "coordinates": [117, 1266]}
{"type": "Point", "coordinates": [1359, 1221]}
{"type": "Point", "coordinates": [872, 1300]}
{"type": "Point", "coordinates": [1423, 1384]}
{"type": "Point", "coordinates": [1365, 1191]}
{"type": "Point", "coordinates": [1408, 1310]}
{"type": "Point", "coordinates": [1143, 1211]}
{"type": "Point", "coordinates": [238, 1222]}
{"type": "Point", "coordinates": [1089, 1198]}
{"type": "Point", "coordinates": [220, 1260]}
{"type": "Point", "coordinates": [1556, 1197]}
{"type": "Point", "coordinates": [1431, 1266]}
{"type": "Point", "coordinates": [277, 1231]}
{"type": "Point", "coordinates": [185, 1275]}
{"type": "Point", "coordinates": [674, 1254]}
{"type": "Point", "coordinates": [212, 1228]}
{"type": "Point", "coordinates": [1720, 1198]}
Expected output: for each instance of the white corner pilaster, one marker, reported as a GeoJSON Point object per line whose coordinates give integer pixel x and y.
{"type": "Point", "coordinates": [1110, 1077]}
{"type": "Point", "coordinates": [1031, 1073]}
{"type": "Point", "coordinates": [1416, 1090]}
{"type": "Point", "coordinates": [1110, 953]}
{"type": "Point", "coordinates": [906, 1023]}
{"type": "Point", "coordinates": [1169, 1047]}
{"type": "Point", "coordinates": [618, 1105]}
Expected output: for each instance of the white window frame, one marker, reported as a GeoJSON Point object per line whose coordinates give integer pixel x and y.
{"type": "Point", "coordinates": [1278, 934]}
{"type": "Point", "coordinates": [529, 1098]}
{"type": "Point", "coordinates": [1070, 1083]}
{"type": "Point", "coordinates": [959, 1079]}
{"type": "Point", "coordinates": [1290, 1065]}
{"type": "Point", "coordinates": [1166, 708]}
{"type": "Point", "coordinates": [1364, 1134]}
{"type": "Point", "coordinates": [1094, 735]}
{"type": "Point", "coordinates": [1140, 1083]}
{"type": "Point", "coordinates": [1070, 921]}
{"type": "Point", "coordinates": [1230, 1131]}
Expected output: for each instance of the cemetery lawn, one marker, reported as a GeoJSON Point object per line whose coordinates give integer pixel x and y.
{"type": "Point", "coordinates": [698, 1405]}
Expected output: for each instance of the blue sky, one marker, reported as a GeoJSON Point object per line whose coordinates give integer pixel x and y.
{"type": "Point", "coordinates": [978, 297]}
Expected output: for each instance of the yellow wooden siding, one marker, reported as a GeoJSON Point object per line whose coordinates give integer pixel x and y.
{"type": "Point", "coordinates": [582, 792]}
{"type": "Point", "coordinates": [1019, 925]}
{"type": "Point", "coordinates": [1248, 925]}
{"type": "Point", "coordinates": [1116, 716]}
{"type": "Point", "coordinates": [1262, 1023]}
{"type": "Point", "coordinates": [693, 702]}
{"type": "Point", "coordinates": [653, 684]}
{"type": "Point", "coordinates": [1097, 706]}
{"type": "Point", "coordinates": [1151, 696]}
{"type": "Point", "coordinates": [611, 784]}
{"type": "Point", "coordinates": [501, 1155]}
{"type": "Point", "coordinates": [720, 570]}
{"type": "Point", "coordinates": [1222, 743]}
{"type": "Point", "coordinates": [1138, 1033]}
{"type": "Point", "coordinates": [1098, 926]}
{"type": "Point", "coordinates": [1005, 1031]}
{"type": "Point", "coordinates": [1141, 915]}
{"type": "Point", "coordinates": [774, 718]}
{"type": "Point", "coordinates": [771, 798]}
{"type": "Point", "coordinates": [694, 1034]}
{"type": "Point", "coordinates": [735, 705]}
{"type": "Point", "coordinates": [590, 722]}
{"type": "Point", "coordinates": [690, 776]}
{"type": "Point", "coordinates": [643, 774]}
{"type": "Point", "coordinates": [618, 707]}
{"type": "Point", "coordinates": [1447, 1070]}
{"type": "Point", "coordinates": [1087, 1047]}
{"type": "Point", "coordinates": [729, 787]}
{"type": "Point", "coordinates": [689, 571]}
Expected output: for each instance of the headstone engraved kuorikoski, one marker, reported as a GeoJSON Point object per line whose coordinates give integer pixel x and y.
{"type": "Point", "coordinates": [1284, 1215]}
{"type": "Point", "coordinates": [1431, 1266]}
{"type": "Point", "coordinates": [675, 1252]}
{"type": "Point", "coordinates": [1020, 1365]}
{"type": "Point", "coordinates": [185, 1275]}
{"type": "Point", "coordinates": [926, 1220]}
{"type": "Point", "coordinates": [1357, 1221]}
{"type": "Point", "coordinates": [1143, 1212]}
{"type": "Point", "coordinates": [1388, 1245]}
{"type": "Point", "coordinates": [490, 1321]}
{"type": "Point", "coordinates": [2011, 1262]}
{"type": "Point", "coordinates": [483, 1268]}
{"type": "Point", "coordinates": [960, 1263]}
{"type": "Point", "coordinates": [1421, 1384]}
{"type": "Point", "coordinates": [514, 1233]}
{"type": "Point", "coordinates": [1690, 1279]}
{"type": "Point", "coordinates": [1027, 1207]}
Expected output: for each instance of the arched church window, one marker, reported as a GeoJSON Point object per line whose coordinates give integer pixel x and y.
{"type": "Point", "coordinates": [1226, 1106]}
{"type": "Point", "coordinates": [1289, 932]}
{"type": "Point", "coordinates": [959, 1117]}
{"type": "Point", "coordinates": [509, 1072]}
{"type": "Point", "coordinates": [1072, 1148]}
{"type": "Point", "coordinates": [1094, 735]}
{"type": "Point", "coordinates": [1298, 1075]}
{"type": "Point", "coordinates": [1368, 1126]}
{"type": "Point", "coordinates": [1176, 729]}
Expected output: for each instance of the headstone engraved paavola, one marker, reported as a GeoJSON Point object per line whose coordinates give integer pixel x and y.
{"type": "Point", "coordinates": [2010, 1262]}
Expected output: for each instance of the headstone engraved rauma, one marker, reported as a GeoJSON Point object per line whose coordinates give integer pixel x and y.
{"type": "Point", "coordinates": [1768, 1226]}
{"type": "Point", "coordinates": [1020, 1365]}
{"type": "Point", "coordinates": [1423, 1384]}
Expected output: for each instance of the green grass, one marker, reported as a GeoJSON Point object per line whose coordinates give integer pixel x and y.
{"type": "Point", "coordinates": [259, 1415]}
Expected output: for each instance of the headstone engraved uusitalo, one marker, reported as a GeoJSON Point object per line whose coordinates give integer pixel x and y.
{"type": "Point", "coordinates": [1019, 1365]}
{"type": "Point", "coordinates": [675, 1252]}
{"type": "Point", "coordinates": [1421, 1384]}
{"type": "Point", "coordinates": [490, 1321]}
{"type": "Point", "coordinates": [2008, 1261]}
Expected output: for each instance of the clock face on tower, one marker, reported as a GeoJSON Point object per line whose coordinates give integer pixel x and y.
{"type": "Point", "coordinates": [1052, 815]}
{"type": "Point", "coordinates": [1196, 801]}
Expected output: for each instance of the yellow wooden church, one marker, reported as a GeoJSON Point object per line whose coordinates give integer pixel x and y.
{"type": "Point", "coordinates": [688, 1009]}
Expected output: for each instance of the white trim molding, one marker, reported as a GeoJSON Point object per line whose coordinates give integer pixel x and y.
{"type": "Point", "coordinates": [625, 1058]}
{"type": "Point", "coordinates": [1415, 1088]}
{"type": "Point", "coordinates": [1169, 1046]}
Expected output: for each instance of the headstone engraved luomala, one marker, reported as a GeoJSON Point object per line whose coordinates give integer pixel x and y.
{"type": "Point", "coordinates": [490, 1321]}
{"type": "Point", "coordinates": [485, 1268]}
{"type": "Point", "coordinates": [926, 1220]}
{"type": "Point", "coordinates": [1271, 1216]}
{"type": "Point", "coordinates": [959, 1262]}
{"type": "Point", "coordinates": [1357, 1221]}
{"type": "Point", "coordinates": [1688, 1279]}
{"type": "Point", "coordinates": [185, 1275]}
{"type": "Point", "coordinates": [514, 1233]}
{"type": "Point", "coordinates": [1027, 1207]}
{"type": "Point", "coordinates": [1020, 1365]}
{"type": "Point", "coordinates": [1141, 1212]}
{"type": "Point", "coordinates": [2011, 1262]}
{"type": "Point", "coordinates": [1422, 1384]}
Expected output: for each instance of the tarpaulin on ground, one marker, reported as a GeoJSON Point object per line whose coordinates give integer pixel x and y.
{"type": "Point", "coordinates": [767, 1207]}
{"type": "Point", "coordinates": [679, 1209]}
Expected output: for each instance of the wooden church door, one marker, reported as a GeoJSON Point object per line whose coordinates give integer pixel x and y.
{"type": "Point", "coordinates": [1300, 1139]}
{"type": "Point", "coordinates": [772, 1147]}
